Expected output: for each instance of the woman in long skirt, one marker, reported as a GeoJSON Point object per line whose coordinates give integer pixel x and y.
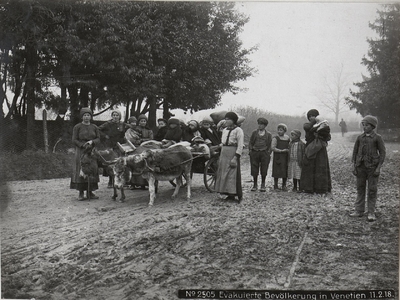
{"type": "Point", "coordinates": [85, 135]}
{"type": "Point", "coordinates": [315, 173]}
{"type": "Point", "coordinates": [229, 181]}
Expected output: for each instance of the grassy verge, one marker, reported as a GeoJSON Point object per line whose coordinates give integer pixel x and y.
{"type": "Point", "coordinates": [30, 165]}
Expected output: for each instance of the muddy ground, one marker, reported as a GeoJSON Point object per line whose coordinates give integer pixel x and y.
{"type": "Point", "coordinates": [54, 247]}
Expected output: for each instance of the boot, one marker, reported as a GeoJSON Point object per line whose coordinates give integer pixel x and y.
{"type": "Point", "coordinates": [284, 188]}
{"type": "Point", "coordinates": [255, 187]}
{"type": "Point", "coordinates": [81, 197]}
{"type": "Point", "coordinates": [263, 189]}
{"type": "Point", "coordinates": [91, 195]}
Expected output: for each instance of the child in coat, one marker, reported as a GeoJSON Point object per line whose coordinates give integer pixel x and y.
{"type": "Point", "coordinates": [296, 152]}
{"type": "Point", "coordinates": [368, 156]}
{"type": "Point", "coordinates": [280, 147]}
{"type": "Point", "coordinates": [260, 153]}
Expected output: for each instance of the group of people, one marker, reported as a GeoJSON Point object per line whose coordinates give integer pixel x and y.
{"type": "Point", "coordinates": [87, 135]}
{"type": "Point", "coordinates": [307, 164]}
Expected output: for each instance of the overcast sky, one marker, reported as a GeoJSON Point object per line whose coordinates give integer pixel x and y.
{"type": "Point", "coordinates": [299, 44]}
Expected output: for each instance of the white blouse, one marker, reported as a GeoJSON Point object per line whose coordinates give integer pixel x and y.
{"type": "Point", "coordinates": [236, 137]}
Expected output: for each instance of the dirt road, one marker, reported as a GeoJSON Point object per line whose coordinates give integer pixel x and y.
{"type": "Point", "coordinates": [54, 247]}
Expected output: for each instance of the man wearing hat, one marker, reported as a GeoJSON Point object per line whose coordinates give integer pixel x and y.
{"type": "Point", "coordinates": [368, 155]}
{"type": "Point", "coordinates": [260, 153]}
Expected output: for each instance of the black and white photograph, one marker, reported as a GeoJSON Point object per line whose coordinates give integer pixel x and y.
{"type": "Point", "coordinates": [161, 150]}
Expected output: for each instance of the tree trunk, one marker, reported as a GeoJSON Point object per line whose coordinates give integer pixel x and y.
{"type": "Point", "coordinates": [45, 132]}
{"type": "Point", "coordinates": [31, 63]}
{"type": "Point", "coordinates": [166, 113]}
{"type": "Point", "coordinates": [152, 113]}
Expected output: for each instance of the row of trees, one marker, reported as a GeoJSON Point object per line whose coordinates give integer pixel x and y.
{"type": "Point", "coordinates": [144, 55]}
{"type": "Point", "coordinates": [379, 93]}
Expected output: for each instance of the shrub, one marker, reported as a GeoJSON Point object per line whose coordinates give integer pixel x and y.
{"type": "Point", "coordinates": [31, 165]}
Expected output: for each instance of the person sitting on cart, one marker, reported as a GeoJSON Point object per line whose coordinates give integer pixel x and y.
{"type": "Point", "coordinates": [162, 129]}
{"type": "Point", "coordinates": [209, 133]}
{"type": "Point", "coordinates": [173, 134]}
{"type": "Point", "coordinates": [146, 133]}
{"type": "Point", "coordinates": [132, 134]}
{"type": "Point", "coordinates": [191, 131]}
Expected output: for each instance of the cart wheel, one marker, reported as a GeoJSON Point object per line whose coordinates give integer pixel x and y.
{"type": "Point", "coordinates": [210, 174]}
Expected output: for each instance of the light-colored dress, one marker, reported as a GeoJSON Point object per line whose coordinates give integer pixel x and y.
{"type": "Point", "coordinates": [296, 151]}
{"type": "Point", "coordinates": [228, 179]}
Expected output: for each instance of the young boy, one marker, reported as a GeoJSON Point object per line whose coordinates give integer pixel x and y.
{"type": "Point", "coordinates": [368, 156]}
{"type": "Point", "coordinates": [260, 153]}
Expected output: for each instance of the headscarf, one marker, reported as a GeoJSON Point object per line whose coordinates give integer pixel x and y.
{"type": "Point", "coordinates": [195, 123]}
{"type": "Point", "coordinates": [132, 119]}
{"type": "Point", "coordinates": [117, 112]}
{"type": "Point", "coordinates": [283, 126]}
{"type": "Point", "coordinates": [173, 121]}
{"type": "Point", "coordinates": [142, 117]}
{"type": "Point", "coordinates": [370, 120]}
{"type": "Point", "coordinates": [85, 110]}
{"type": "Point", "coordinates": [297, 134]}
{"type": "Point", "coordinates": [232, 116]}
{"type": "Point", "coordinates": [312, 112]}
{"type": "Point", "coordinates": [207, 120]}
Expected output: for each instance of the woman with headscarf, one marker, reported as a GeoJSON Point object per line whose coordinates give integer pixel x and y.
{"type": "Point", "coordinates": [146, 134]}
{"type": "Point", "coordinates": [229, 181]}
{"type": "Point", "coordinates": [315, 173]}
{"type": "Point", "coordinates": [114, 130]}
{"type": "Point", "coordinates": [173, 134]}
{"type": "Point", "coordinates": [280, 148]}
{"type": "Point", "coordinates": [85, 136]}
{"type": "Point", "coordinates": [296, 153]}
{"type": "Point", "coordinates": [191, 131]}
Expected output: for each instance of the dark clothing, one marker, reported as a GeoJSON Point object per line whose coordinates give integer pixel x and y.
{"type": "Point", "coordinates": [316, 174]}
{"type": "Point", "coordinates": [188, 134]}
{"type": "Point", "coordinates": [365, 175]}
{"type": "Point", "coordinates": [280, 160]}
{"type": "Point", "coordinates": [115, 132]}
{"type": "Point", "coordinates": [83, 133]}
{"type": "Point", "coordinates": [260, 153]}
{"type": "Point", "coordinates": [343, 126]}
{"type": "Point", "coordinates": [212, 135]}
{"type": "Point", "coordinates": [369, 149]}
{"type": "Point", "coordinates": [174, 134]}
{"type": "Point", "coordinates": [260, 143]}
{"type": "Point", "coordinates": [259, 162]}
{"type": "Point", "coordinates": [309, 130]}
{"type": "Point", "coordinates": [160, 135]}
{"type": "Point", "coordinates": [369, 152]}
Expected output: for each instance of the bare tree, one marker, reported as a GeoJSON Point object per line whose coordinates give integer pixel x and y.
{"type": "Point", "coordinates": [334, 90]}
